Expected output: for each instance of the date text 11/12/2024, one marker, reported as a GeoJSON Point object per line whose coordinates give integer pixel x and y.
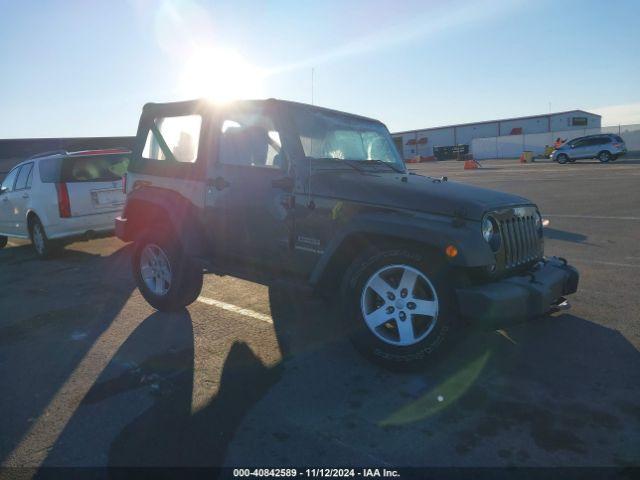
{"type": "Point", "coordinates": [315, 472]}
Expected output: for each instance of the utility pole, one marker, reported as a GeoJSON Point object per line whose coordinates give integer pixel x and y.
{"type": "Point", "coordinates": [312, 71]}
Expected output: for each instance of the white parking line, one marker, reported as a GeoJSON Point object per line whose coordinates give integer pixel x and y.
{"type": "Point", "coordinates": [235, 309]}
{"type": "Point", "coordinates": [600, 262]}
{"type": "Point", "coordinates": [589, 217]}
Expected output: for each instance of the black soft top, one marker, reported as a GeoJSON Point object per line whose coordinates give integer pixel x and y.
{"type": "Point", "coordinates": [202, 104]}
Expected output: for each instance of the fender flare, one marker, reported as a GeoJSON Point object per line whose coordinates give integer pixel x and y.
{"type": "Point", "coordinates": [435, 232]}
{"type": "Point", "coordinates": [150, 205]}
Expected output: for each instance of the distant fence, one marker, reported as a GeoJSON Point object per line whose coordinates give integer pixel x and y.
{"type": "Point", "coordinates": [512, 146]}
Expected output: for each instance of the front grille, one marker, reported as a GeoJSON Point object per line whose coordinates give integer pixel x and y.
{"type": "Point", "coordinates": [520, 240]}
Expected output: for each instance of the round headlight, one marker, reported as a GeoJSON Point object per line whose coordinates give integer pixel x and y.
{"type": "Point", "coordinates": [488, 230]}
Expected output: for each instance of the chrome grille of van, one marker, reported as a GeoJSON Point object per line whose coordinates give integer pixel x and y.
{"type": "Point", "coordinates": [520, 240]}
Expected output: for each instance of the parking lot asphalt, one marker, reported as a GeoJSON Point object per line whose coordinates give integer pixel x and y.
{"type": "Point", "coordinates": [255, 375]}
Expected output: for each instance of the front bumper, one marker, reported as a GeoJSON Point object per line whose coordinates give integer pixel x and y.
{"type": "Point", "coordinates": [519, 297]}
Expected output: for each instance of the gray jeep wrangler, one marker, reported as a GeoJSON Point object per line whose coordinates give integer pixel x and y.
{"type": "Point", "coordinates": [323, 196]}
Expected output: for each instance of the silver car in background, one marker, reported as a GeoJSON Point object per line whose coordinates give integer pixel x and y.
{"type": "Point", "coordinates": [605, 147]}
{"type": "Point", "coordinates": [58, 196]}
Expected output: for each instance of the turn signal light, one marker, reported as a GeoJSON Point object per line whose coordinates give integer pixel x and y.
{"type": "Point", "coordinates": [451, 251]}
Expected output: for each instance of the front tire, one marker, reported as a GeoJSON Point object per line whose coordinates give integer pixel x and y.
{"type": "Point", "coordinates": [562, 159]}
{"type": "Point", "coordinates": [399, 306]}
{"type": "Point", "coordinates": [604, 156]}
{"type": "Point", "coordinates": [166, 278]}
{"type": "Point", "coordinates": [3, 241]}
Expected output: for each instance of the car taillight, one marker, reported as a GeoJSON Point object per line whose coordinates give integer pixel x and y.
{"type": "Point", "coordinates": [124, 183]}
{"type": "Point", "coordinates": [64, 204]}
{"type": "Point", "coordinates": [617, 145]}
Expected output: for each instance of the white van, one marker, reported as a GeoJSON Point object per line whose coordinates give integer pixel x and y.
{"type": "Point", "coordinates": [56, 196]}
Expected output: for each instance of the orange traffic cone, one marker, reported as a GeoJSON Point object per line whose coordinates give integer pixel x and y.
{"type": "Point", "coordinates": [471, 163]}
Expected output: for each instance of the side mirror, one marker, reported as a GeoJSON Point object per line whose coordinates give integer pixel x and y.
{"type": "Point", "coordinates": [3, 190]}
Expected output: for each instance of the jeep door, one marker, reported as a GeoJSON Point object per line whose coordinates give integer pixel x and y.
{"type": "Point", "coordinates": [248, 210]}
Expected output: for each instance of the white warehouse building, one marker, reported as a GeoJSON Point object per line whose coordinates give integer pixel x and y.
{"type": "Point", "coordinates": [439, 141]}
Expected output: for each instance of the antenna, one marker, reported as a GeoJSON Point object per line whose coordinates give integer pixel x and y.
{"type": "Point", "coordinates": [312, 71]}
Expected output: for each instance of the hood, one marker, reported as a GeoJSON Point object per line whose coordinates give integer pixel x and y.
{"type": "Point", "coordinates": [417, 193]}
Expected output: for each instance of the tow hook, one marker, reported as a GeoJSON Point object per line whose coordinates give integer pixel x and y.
{"type": "Point", "coordinates": [561, 304]}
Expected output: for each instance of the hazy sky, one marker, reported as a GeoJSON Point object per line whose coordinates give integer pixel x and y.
{"type": "Point", "coordinates": [84, 68]}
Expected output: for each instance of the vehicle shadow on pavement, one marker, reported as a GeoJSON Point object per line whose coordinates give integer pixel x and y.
{"type": "Point", "coordinates": [565, 236]}
{"type": "Point", "coordinates": [556, 391]}
{"type": "Point", "coordinates": [72, 299]}
{"type": "Point", "coordinates": [19, 254]}
{"type": "Point", "coordinates": [170, 433]}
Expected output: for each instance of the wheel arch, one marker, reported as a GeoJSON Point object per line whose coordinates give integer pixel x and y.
{"type": "Point", "coordinates": [432, 237]}
{"type": "Point", "coordinates": [353, 245]}
{"type": "Point", "coordinates": [31, 215]}
{"type": "Point", "coordinates": [148, 207]}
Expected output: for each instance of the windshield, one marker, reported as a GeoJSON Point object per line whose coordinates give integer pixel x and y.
{"type": "Point", "coordinates": [327, 135]}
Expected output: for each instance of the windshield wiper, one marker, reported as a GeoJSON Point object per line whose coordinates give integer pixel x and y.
{"type": "Point", "coordinates": [386, 164]}
{"type": "Point", "coordinates": [341, 161]}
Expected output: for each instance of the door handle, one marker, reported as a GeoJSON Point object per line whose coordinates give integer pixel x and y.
{"type": "Point", "coordinates": [218, 183]}
{"type": "Point", "coordinates": [25, 195]}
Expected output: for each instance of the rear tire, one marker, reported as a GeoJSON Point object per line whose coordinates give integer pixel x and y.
{"type": "Point", "coordinates": [41, 243]}
{"type": "Point", "coordinates": [562, 159]}
{"type": "Point", "coordinates": [392, 325]}
{"type": "Point", "coordinates": [166, 278]}
{"type": "Point", "coordinates": [3, 241]}
{"type": "Point", "coordinates": [604, 156]}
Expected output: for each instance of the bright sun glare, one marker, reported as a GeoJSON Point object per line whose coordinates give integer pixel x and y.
{"type": "Point", "coordinates": [221, 75]}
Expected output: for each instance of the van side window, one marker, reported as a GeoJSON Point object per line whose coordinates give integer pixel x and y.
{"type": "Point", "coordinates": [30, 178]}
{"type": "Point", "coordinates": [23, 176]}
{"type": "Point", "coordinates": [174, 138]}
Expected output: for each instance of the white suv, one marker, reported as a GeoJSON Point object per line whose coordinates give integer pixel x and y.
{"type": "Point", "coordinates": [62, 195]}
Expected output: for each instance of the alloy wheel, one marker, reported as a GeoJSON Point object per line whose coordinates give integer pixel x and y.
{"type": "Point", "coordinates": [399, 305]}
{"type": "Point", "coordinates": [604, 157]}
{"type": "Point", "coordinates": [155, 269]}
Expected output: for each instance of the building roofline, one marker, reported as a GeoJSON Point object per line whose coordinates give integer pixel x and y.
{"type": "Point", "coordinates": [544, 115]}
